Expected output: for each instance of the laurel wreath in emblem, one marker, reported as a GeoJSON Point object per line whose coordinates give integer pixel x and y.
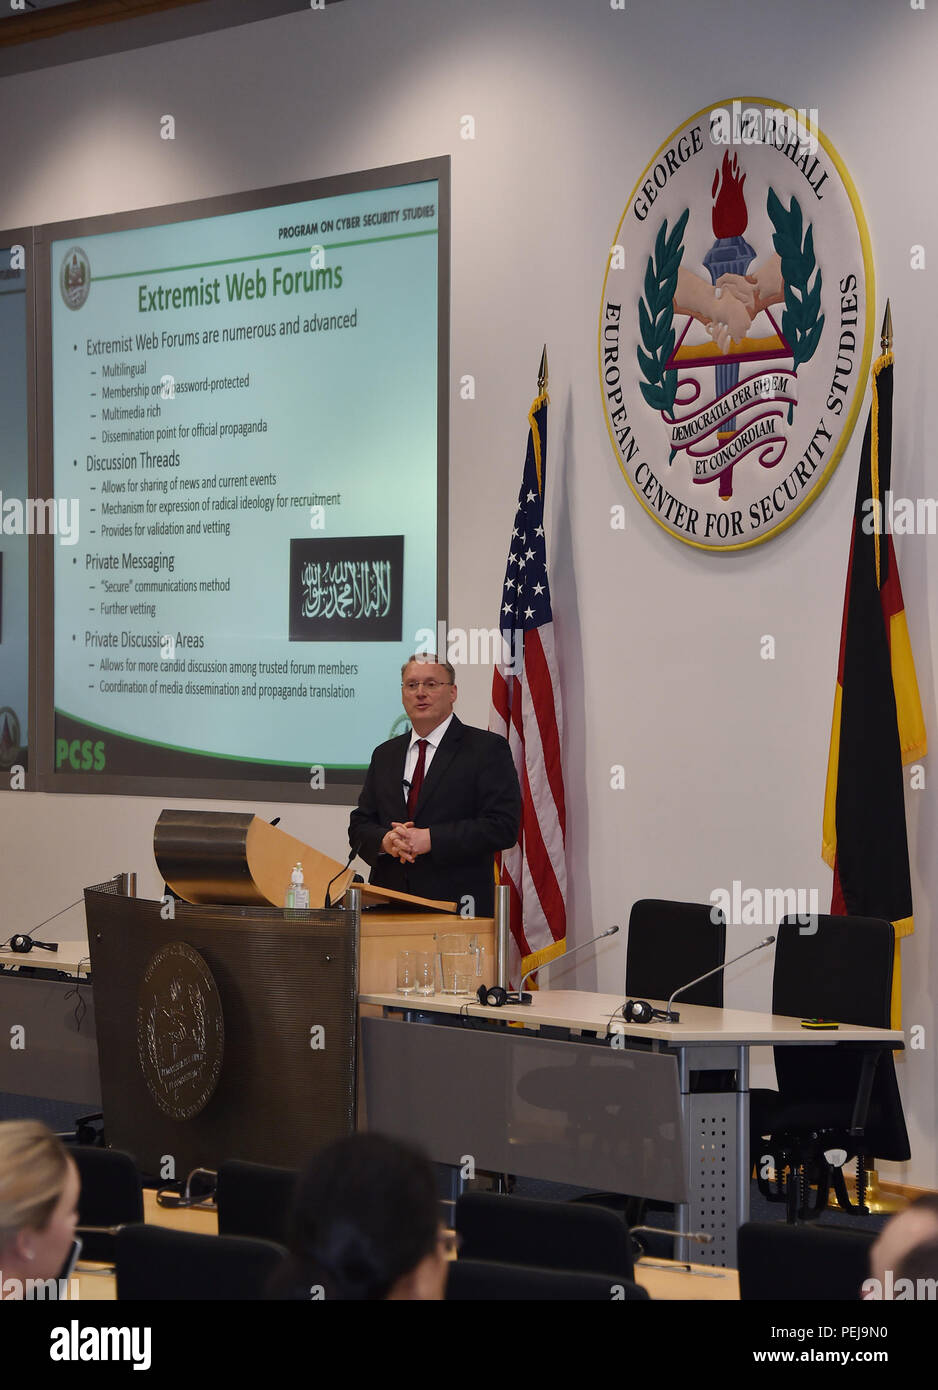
{"type": "Point", "coordinates": [656, 317]}
{"type": "Point", "coordinates": [802, 321]}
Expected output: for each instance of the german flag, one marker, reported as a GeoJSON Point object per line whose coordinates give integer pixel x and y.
{"type": "Point", "coordinates": [877, 725]}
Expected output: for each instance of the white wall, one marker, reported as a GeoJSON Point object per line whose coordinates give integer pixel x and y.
{"type": "Point", "coordinates": [569, 100]}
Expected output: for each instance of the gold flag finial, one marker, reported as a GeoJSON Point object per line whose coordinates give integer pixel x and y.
{"type": "Point", "coordinates": [886, 333]}
{"type": "Point", "coordinates": [542, 373]}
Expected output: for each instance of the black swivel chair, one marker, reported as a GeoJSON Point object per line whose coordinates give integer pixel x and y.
{"type": "Point", "coordinates": [254, 1199]}
{"type": "Point", "coordinates": [154, 1262]}
{"type": "Point", "coordinates": [670, 943]}
{"type": "Point", "coordinates": [111, 1196]}
{"type": "Point", "coordinates": [817, 1264]}
{"type": "Point", "coordinates": [829, 1098]}
{"type": "Point", "coordinates": [483, 1281]}
{"type": "Point", "coordinates": [546, 1235]}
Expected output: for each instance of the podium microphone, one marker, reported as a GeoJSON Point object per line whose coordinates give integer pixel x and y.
{"type": "Point", "coordinates": [352, 854]}
{"type": "Point", "coordinates": [640, 1011]}
{"type": "Point", "coordinates": [496, 996]}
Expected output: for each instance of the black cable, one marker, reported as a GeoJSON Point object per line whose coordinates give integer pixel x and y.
{"type": "Point", "coordinates": [81, 1007]}
{"type": "Point", "coordinates": [618, 1012]}
{"type": "Point", "coordinates": [467, 1022]}
{"type": "Point", "coordinates": [53, 917]}
{"type": "Point", "coordinates": [39, 925]}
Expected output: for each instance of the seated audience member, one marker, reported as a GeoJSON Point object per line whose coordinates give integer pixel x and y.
{"type": "Point", "coordinates": [39, 1190]}
{"type": "Point", "coordinates": [917, 1225]}
{"type": "Point", "coordinates": [365, 1226]}
{"type": "Point", "coordinates": [920, 1267]}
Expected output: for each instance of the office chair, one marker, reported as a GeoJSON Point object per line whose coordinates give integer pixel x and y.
{"type": "Point", "coordinates": [254, 1199]}
{"type": "Point", "coordinates": [820, 1264]}
{"type": "Point", "coordinates": [547, 1235]}
{"type": "Point", "coordinates": [481, 1280]}
{"type": "Point", "coordinates": [154, 1262]}
{"type": "Point", "coordinates": [831, 1100]}
{"type": "Point", "coordinates": [111, 1196]}
{"type": "Point", "coordinates": [670, 943]}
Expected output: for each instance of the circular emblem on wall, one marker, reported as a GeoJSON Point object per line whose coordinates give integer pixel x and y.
{"type": "Point", "coordinates": [736, 324]}
{"type": "Point", "coordinates": [9, 737]}
{"type": "Point", "coordinates": [180, 1031]}
{"type": "Point", "coordinates": [75, 277]}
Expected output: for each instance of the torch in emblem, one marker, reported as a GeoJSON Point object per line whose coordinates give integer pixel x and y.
{"type": "Point", "coordinates": [730, 254]}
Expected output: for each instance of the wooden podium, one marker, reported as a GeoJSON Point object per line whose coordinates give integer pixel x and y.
{"type": "Point", "coordinates": [221, 857]}
{"type": "Point", "coordinates": [227, 1026]}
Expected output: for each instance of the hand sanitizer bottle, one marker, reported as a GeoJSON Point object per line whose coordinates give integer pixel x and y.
{"type": "Point", "coordinates": [297, 894]}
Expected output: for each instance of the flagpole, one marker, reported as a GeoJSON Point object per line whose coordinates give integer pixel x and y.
{"type": "Point", "coordinates": [526, 692]}
{"type": "Point", "coordinates": [885, 337]}
{"type": "Point", "coordinates": [875, 1199]}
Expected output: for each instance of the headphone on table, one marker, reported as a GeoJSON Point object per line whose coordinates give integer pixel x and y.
{"type": "Point", "coordinates": [496, 996]}
{"type": "Point", "coordinates": [22, 944]}
{"type": "Point", "coordinates": [640, 1011]}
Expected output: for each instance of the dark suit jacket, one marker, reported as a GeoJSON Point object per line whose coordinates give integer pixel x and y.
{"type": "Point", "coordinates": [470, 802]}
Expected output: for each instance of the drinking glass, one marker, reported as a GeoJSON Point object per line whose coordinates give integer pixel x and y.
{"type": "Point", "coordinates": [426, 972]}
{"type": "Point", "coordinates": [406, 972]}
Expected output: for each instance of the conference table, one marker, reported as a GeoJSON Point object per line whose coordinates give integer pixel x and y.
{"type": "Point", "coordinates": [71, 958]}
{"type": "Point", "coordinates": [565, 1090]}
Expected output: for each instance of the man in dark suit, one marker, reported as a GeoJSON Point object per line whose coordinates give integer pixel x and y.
{"type": "Point", "coordinates": [439, 802]}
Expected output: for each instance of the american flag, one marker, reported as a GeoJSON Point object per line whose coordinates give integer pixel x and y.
{"type": "Point", "coordinates": [526, 710]}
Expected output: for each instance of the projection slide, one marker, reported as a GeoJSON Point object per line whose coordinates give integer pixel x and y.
{"type": "Point", "coordinates": [14, 519]}
{"type": "Point", "coordinates": [245, 418]}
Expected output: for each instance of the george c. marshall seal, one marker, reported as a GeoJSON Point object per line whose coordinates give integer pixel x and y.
{"type": "Point", "coordinates": [736, 324]}
{"type": "Point", "coordinates": [75, 277]}
{"type": "Point", "coordinates": [180, 1031]}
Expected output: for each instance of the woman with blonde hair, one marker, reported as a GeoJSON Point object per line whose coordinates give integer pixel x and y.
{"type": "Point", "coordinates": [39, 1189]}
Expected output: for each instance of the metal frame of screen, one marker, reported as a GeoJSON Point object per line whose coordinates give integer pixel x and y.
{"type": "Point", "coordinates": [341, 785]}
{"type": "Point", "coordinates": [25, 237]}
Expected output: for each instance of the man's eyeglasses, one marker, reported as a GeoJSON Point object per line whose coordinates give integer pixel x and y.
{"type": "Point", "coordinates": [429, 686]}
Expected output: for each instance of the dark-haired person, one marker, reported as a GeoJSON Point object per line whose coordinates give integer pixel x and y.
{"type": "Point", "coordinates": [440, 802]}
{"type": "Point", "coordinates": [365, 1226]}
{"type": "Point", "coordinates": [39, 1189]}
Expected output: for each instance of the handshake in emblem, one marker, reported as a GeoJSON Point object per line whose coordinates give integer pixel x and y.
{"type": "Point", "coordinates": [728, 308]}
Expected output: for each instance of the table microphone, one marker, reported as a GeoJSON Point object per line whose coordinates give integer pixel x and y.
{"type": "Point", "coordinates": [496, 996]}
{"type": "Point", "coordinates": [640, 1011]}
{"type": "Point", "coordinates": [701, 1237]}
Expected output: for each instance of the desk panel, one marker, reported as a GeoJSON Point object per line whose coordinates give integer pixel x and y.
{"type": "Point", "coordinates": [59, 1056]}
{"type": "Point", "coordinates": [567, 1112]}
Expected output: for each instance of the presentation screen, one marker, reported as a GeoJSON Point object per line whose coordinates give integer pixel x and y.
{"type": "Point", "coordinates": [247, 444]}
{"type": "Point", "coordinates": [17, 518]}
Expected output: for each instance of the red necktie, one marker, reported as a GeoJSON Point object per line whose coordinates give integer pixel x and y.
{"type": "Point", "coordinates": [416, 781]}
